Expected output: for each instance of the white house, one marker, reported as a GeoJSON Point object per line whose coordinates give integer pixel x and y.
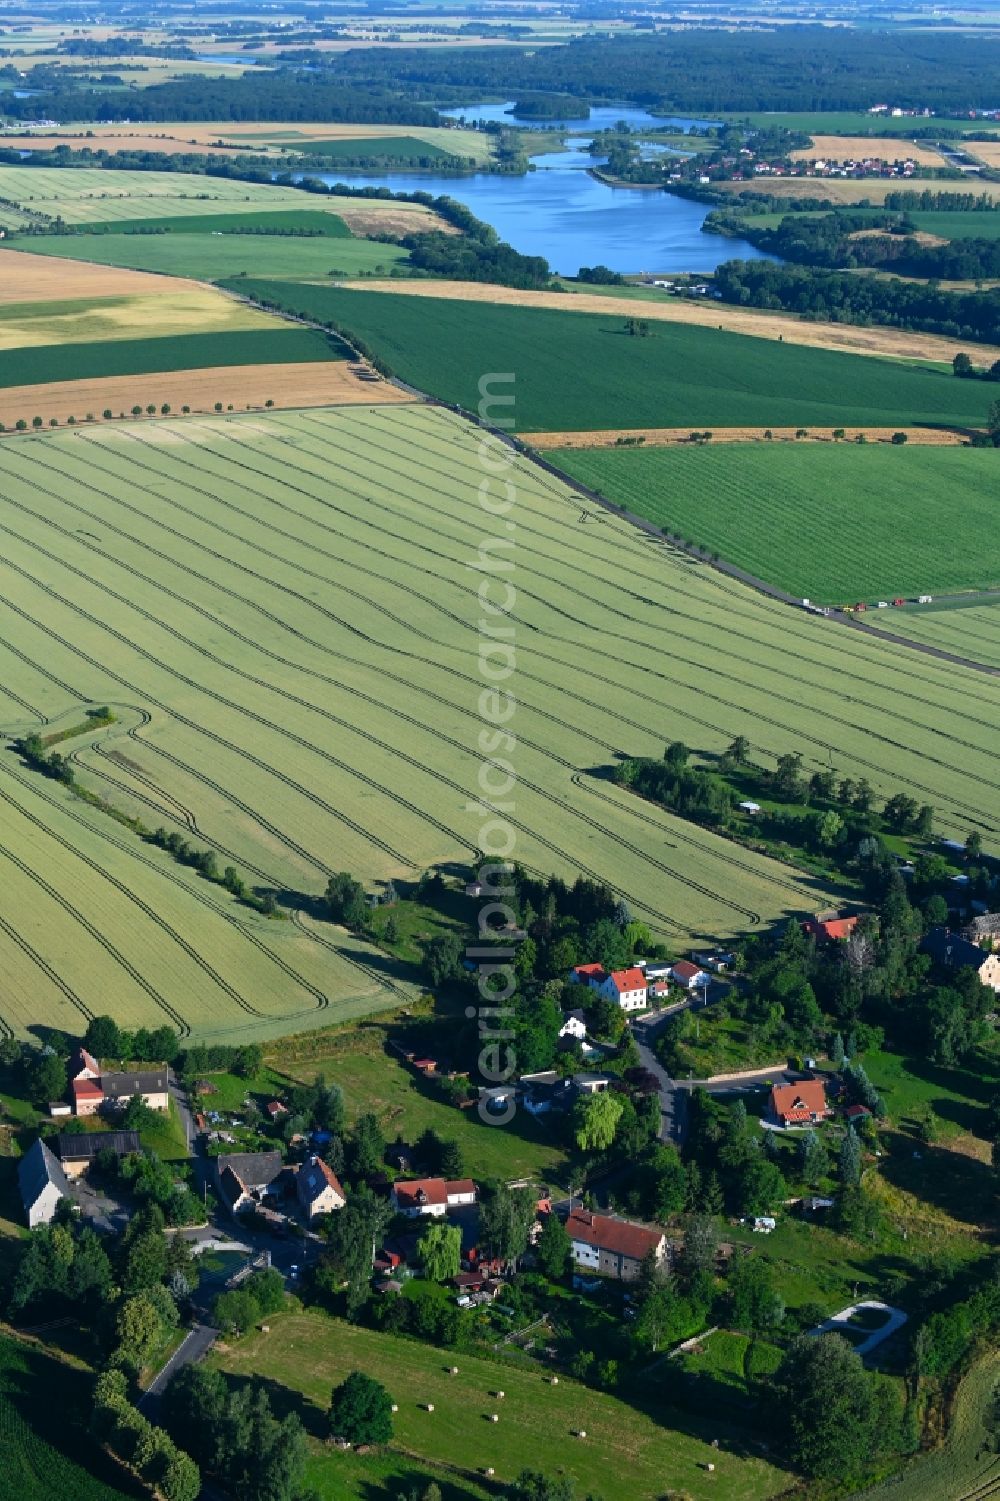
{"type": "Point", "coordinates": [625, 988]}
{"type": "Point", "coordinates": [42, 1183]}
{"type": "Point", "coordinates": [420, 1197]}
{"type": "Point", "coordinates": [611, 1246]}
{"type": "Point", "coordinates": [573, 1026]}
{"type": "Point", "coordinates": [318, 1188]}
{"type": "Point", "coordinates": [690, 976]}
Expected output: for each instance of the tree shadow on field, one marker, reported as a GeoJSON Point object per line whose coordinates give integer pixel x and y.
{"type": "Point", "coordinates": [285, 1402]}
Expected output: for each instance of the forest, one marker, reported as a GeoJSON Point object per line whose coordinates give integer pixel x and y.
{"type": "Point", "coordinates": [798, 68]}
{"type": "Point", "coordinates": [842, 297]}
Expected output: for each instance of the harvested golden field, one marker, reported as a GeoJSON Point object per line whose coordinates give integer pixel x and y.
{"type": "Point", "coordinates": [663, 437]}
{"type": "Point", "coordinates": [859, 148]}
{"type": "Point", "coordinates": [845, 336]}
{"type": "Point", "coordinates": [840, 189]}
{"type": "Point", "coordinates": [116, 139]}
{"type": "Point", "coordinates": [41, 278]}
{"type": "Point", "coordinates": [326, 383]}
{"type": "Point", "coordinates": [985, 151]}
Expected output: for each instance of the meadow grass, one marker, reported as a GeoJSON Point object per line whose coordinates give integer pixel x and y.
{"type": "Point", "coordinates": [583, 371]}
{"type": "Point", "coordinates": [306, 1354]}
{"type": "Point", "coordinates": [219, 256]}
{"type": "Point", "coordinates": [277, 608]}
{"type": "Point", "coordinates": [373, 1079]}
{"type": "Point", "coordinates": [831, 522]}
{"type": "Point", "coordinates": [36, 365]}
{"type": "Point", "coordinates": [405, 149]}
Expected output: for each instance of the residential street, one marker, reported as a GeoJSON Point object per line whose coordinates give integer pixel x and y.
{"type": "Point", "coordinates": [195, 1347]}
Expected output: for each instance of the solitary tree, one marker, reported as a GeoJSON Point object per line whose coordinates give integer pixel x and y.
{"type": "Point", "coordinates": [440, 1251]}
{"type": "Point", "coordinates": [361, 1410]}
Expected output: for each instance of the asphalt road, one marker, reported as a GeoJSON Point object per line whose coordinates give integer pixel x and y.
{"type": "Point", "coordinates": [195, 1347]}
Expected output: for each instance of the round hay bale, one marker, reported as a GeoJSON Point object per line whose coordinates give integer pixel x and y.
{"type": "Point", "coordinates": [428, 1406]}
{"type": "Point", "coordinates": [453, 1370]}
{"type": "Point", "coordinates": [581, 1433]}
{"type": "Point", "coordinates": [555, 1381]}
{"type": "Point", "coordinates": [489, 1471]}
{"type": "Point", "coordinates": [395, 1407]}
{"type": "Point", "coordinates": [494, 1417]}
{"type": "Point", "coordinates": [501, 1394]}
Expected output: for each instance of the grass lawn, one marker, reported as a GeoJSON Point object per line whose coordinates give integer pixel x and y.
{"type": "Point", "coordinates": [215, 256]}
{"type": "Point", "coordinates": [373, 1079]}
{"type": "Point", "coordinates": [720, 1365]}
{"type": "Point", "coordinates": [763, 506]}
{"type": "Point", "coordinates": [582, 371]}
{"type": "Point", "coordinates": [910, 1085]}
{"type": "Point", "coordinates": [291, 346]}
{"type": "Point", "coordinates": [712, 1043]}
{"type": "Point", "coordinates": [404, 150]}
{"type": "Point", "coordinates": [629, 1453]}
{"type": "Point", "coordinates": [166, 1138]}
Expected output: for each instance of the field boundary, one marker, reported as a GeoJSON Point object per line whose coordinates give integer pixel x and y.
{"type": "Point", "coordinates": [664, 437]}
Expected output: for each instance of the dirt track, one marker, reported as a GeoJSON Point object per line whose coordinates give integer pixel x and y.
{"type": "Point", "coordinates": [325, 383]}
{"type": "Point", "coordinates": [843, 336]}
{"type": "Point", "coordinates": [663, 437]}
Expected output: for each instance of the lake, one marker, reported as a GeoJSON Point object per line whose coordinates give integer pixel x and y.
{"type": "Point", "coordinates": [560, 211]}
{"type": "Point", "coordinates": [601, 117]}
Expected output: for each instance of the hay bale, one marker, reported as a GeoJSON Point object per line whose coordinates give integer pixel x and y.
{"type": "Point", "coordinates": [494, 1417]}
{"type": "Point", "coordinates": [453, 1370]}
{"type": "Point", "coordinates": [428, 1406]}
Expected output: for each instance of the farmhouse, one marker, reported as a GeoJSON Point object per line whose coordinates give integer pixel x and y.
{"type": "Point", "coordinates": [42, 1182]}
{"type": "Point", "coordinates": [417, 1197]}
{"type": "Point", "coordinates": [614, 1247]}
{"type": "Point", "coordinates": [318, 1188]}
{"type": "Point", "coordinates": [78, 1150]}
{"type": "Point", "coordinates": [92, 1090]}
{"type": "Point", "coordinates": [951, 951]}
{"type": "Point", "coordinates": [244, 1178]}
{"type": "Point", "coordinates": [801, 1104]}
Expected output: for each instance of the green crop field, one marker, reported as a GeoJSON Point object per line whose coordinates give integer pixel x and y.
{"type": "Point", "coordinates": [282, 612]}
{"type": "Point", "coordinates": [331, 226]}
{"type": "Point", "coordinates": [979, 224]}
{"type": "Point", "coordinates": [82, 195]}
{"type": "Point", "coordinates": [39, 364]}
{"type": "Point", "coordinates": [218, 256]}
{"type": "Point", "coordinates": [582, 370]}
{"type": "Point", "coordinates": [309, 1353]}
{"type": "Point", "coordinates": [831, 522]}
{"type": "Point", "coordinates": [47, 1452]}
{"type": "Point", "coordinates": [971, 630]}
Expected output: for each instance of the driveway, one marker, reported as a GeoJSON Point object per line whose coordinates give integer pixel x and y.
{"type": "Point", "coordinates": [195, 1347]}
{"type": "Point", "coordinates": [673, 1103]}
{"type": "Point", "coordinates": [895, 1319]}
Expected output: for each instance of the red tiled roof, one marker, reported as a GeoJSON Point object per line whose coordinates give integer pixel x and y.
{"type": "Point", "coordinates": [588, 971]}
{"type": "Point", "coordinates": [831, 927]}
{"type": "Point", "coordinates": [456, 1186]}
{"type": "Point", "coordinates": [316, 1169]}
{"type": "Point", "coordinates": [629, 979]}
{"type": "Point", "coordinates": [809, 1095]}
{"type": "Point", "coordinates": [411, 1194]}
{"type": "Point", "coordinates": [81, 1060]}
{"type": "Point", "coordinates": [853, 1112]}
{"type": "Point", "coordinates": [621, 1237]}
{"type": "Point", "coordinates": [87, 1089]}
{"type": "Point", "coordinates": [685, 970]}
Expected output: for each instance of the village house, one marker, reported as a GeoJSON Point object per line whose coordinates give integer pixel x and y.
{"type": "Point", "coordinates": [77, 1150]}
{"type": "Point", "coordinates": [983, 930]}
{"type": "Point", "coordinates": [92, 1089]}
{"type": "Point", "coordinates": [830, 927]}
{"type": "Point", "coordinates": [952, 951]}
{"type": "Point", "coordinates": [611, 1246]}
{"type": "Point", "coordinates": [318, 1188]}
{"type": "Point", "coordinates": [42, 1182]}
{"type": "Point", "coordinates": [690, 976]}
{"type": "Point", "coordinates": [626, 988]}
{"type": "Point", "coordinates": [433, 1197]}
{"type": "Point", "coordinates": [587, 974]}
{"type": "Point", "coordinates": [243, 1178]}
{"type": "Point", "coordinates": [802, 1104]}
{"type": "Point", "coordinates": [574, 1026]}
